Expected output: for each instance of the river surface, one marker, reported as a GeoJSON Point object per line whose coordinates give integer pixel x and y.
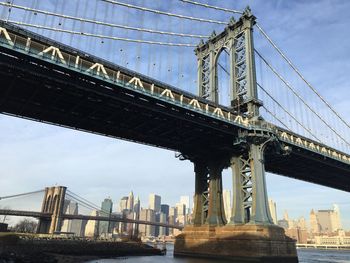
{"type": "Point", "coordinates": [305, 256]}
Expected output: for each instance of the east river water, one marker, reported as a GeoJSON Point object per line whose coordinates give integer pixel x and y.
{"type": "Point", "coordinates": [305, 256]}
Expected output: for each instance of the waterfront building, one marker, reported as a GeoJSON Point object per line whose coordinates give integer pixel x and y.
{"type": "Point", "coordinates": [226, 194]}
{"type": "Point", "coordinates": [273, 211]}
{"type": "Point", "coordinates": [300, 235]}
{"type": "Point", "coordinates": [329, 220]}
{"type": "Point", "coordinates": [336, 239]}
{"type": "Point", "coordinates": [154, 202]}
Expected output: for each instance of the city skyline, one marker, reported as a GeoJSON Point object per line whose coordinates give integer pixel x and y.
{"type": "Point", "coordinates": [36, 155]}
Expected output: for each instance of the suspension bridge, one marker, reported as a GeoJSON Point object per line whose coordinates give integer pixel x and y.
{"type": "Point", "coordinates": [247, 113]}
{"type": "Point", "coordinates": [54, 208]}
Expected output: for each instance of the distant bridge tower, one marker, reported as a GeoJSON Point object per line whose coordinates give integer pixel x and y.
{"type": "Point", "coordinates": [250, 233]}
{"type": "Point", "coordinates": [53, 203]}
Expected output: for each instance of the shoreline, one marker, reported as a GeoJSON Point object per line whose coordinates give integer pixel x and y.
{"type": "Point", "coordinates": [13, 248]}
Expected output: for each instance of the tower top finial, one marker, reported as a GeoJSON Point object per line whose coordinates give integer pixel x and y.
{"type": "Point", "coordinates": [213, 34]}
{"type": "Point", "coordinates": [247, 11]}
{"type": "Point", "coordinates": [232, 21]}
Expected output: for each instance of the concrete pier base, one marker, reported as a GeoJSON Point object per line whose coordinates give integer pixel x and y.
{"type": "Point", "coordinates": [238, 243]}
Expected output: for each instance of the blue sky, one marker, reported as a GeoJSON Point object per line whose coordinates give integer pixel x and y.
{"type": "Point", "coordinates": [314, 34]}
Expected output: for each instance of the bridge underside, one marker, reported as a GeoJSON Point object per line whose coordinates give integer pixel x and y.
{"type": "Point", "coordinates": [45, 92]}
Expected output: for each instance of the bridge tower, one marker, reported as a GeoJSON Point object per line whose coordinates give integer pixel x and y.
{"type": "Point", "coordinates": [237, 41]}
{"type": "Point", "coordinates": [53, 203]}
{"type": "Point", "coordinates": [250, 234]}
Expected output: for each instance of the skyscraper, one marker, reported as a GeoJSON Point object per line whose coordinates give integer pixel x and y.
{"type": "Point", "coordinates": [273, 212]}
{"type": "Point", "coordinates": [336, 216]}
{"type": "Point", "coordinates": [147, 215]}
{"type": "Point", "coordinates": [72, 226]}
{"type": "Point", "coordinates": [325, 221]}
{"type": "Point", "coordinates": [130, 204]}
{"type": "Point", "coordinates": [106, 210]}
{"type": "Point", "coordinates": [185, 199]}
{"type": "Point", "coordinates": [137, 206]}
{"type": "Point", "coordinates": [154, 202]}
{"type": "Point", "coordinates": [226, 194]}
{"type": "Point", "coordinates": [329, 220]}
{"type": "Point", "coordinates": [123, 204]}
{"type": "Point", "coordinates": [162, 219]}
{"type": "Point", "coordinates": [314, 227]}
{"type": "Point", "coordinates": [165, 210]}
{"type": "Point", "coordinates": [92, 226]}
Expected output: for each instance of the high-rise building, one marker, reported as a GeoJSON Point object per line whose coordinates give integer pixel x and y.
{"type": "Point", "coordinates": [314, 226]}
{"type": "Point", "coordinates": [72, 226]}
{"type": "Point", "coordinates": [123, 204]}
{"type": "Point", "coordinates": [106, 210]}
{"type": "Point", "coordinates": [165, 210]}
{"type": "Point", "coordinates": [92, 226]}
{"type": "Point", "coordinates": [130, 204]}
{"type": "Point", "coordinates": [185, 199]}
{"type": "Point", "coordinates": [172, 218]}
{"type": "Point", "coordinates": [226, 194]}
{"type": "Point", "coordinates": [273, 212]}
{"type": "Point", "coordinates": [301, 223]}
{"type": "Point", "coordinates": [137, 206]}
{"type": "Point", "coordinates": [154, 202]}
{"type": "Point", "coordinates": [329, 220]}
{"type": "Point", "coordinates": [336, 217]}
{"type": "Point", "coordinates": [325, 221]}
{"type": "Point", "coordinates": [147, 215]}
{"type": "Point", "coordinates": [162, 219]}
{"type": "Point", "coordinates": [181, 209]}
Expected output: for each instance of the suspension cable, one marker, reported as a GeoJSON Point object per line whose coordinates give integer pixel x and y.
{"type": "Point", "coordinates": [82, 200]}
{"type": "Point", "coordinates": [297, 95]}
{"type": "Point", "coordinates": [212, 7]}
{"type": "Point", "coordinates": [74, 195]}
{"type": "Point", "coordinates": [159, 12]}
{"type": "Point", "coordinates": [103, 36]}
{"type": "Point", "coordinates": [104, 23]}
{"type": "Point", "coordinates": [286, 111]}
{"type": "Point", "coordinates": [300, 75]}
{"type": "Point", "coordinates": [86, 205]}
{"type": "Point", "coordinates": [274, 115]}
{"type": "Point", "coordinates": [18, 195]}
